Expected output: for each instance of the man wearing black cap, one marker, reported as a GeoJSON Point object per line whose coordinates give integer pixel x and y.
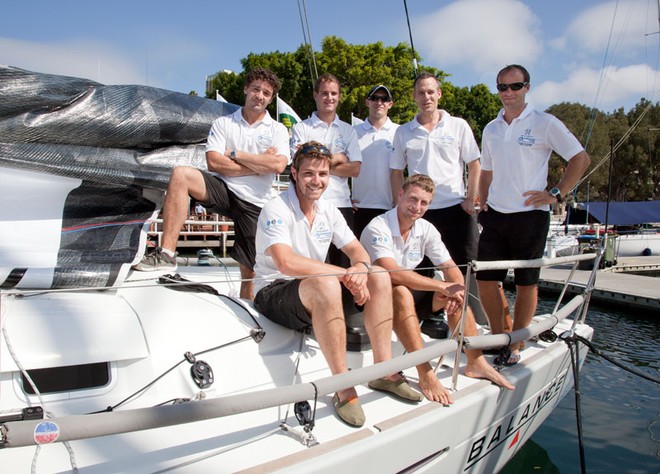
{"type": "Point", "coordinates": [372, 193]}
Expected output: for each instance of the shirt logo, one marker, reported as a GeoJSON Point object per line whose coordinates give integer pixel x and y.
{"type": "Point", "coordinates": [445, 139]}
{"type": "Point", "coordinates": [322, 233]}
{"type": "Point", "coordinates": [340, 144]}
{"type": "Point", "coordinates": [526, 139]}
{"type": "Point", "coordinates": [264, 140]}
{"type": "Point", "coordinates": [274, 222]}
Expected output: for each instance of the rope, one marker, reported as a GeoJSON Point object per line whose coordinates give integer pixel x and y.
{"type": "Point", "coordinates": [571, 341]}
{"type": "Point", "coordinates": [596, 351]}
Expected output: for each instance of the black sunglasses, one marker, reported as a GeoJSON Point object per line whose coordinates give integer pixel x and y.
{"type": "Point", "coordinates": [515, 86]}
{"type": "Point", "coordinates": [379, 98]}
{"type": "Point", "coordinates": [310, 150]}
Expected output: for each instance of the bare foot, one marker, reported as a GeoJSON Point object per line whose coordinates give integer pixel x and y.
{"type": "Point", "coordinates": [432, 388]}
{"type": "Point", "coordinates": [479, 368]}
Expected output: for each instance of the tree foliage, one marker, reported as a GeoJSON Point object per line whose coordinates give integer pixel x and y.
{"type": "Point", "coordinates": [359, 67]}
{"type": "Point", "coordinates": [634, 170]}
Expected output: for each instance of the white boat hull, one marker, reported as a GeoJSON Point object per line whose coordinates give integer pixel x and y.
{"type": "Point", "coordinates": [480, 432]}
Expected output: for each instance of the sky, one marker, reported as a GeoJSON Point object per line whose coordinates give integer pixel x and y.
{"type": "Point", "coordinates": [601, 53]}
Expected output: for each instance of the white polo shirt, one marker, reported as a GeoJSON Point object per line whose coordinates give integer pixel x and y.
{"type": "Point", "coordinates": [518, 156]}
{"type": "Point", "coordinates": [372, 188]}
{"type": "Point", "coordinates": [338, 137]}
{"type": "Point", "coordinates": [232, 132]}
{"type": "Point", "coordinates": [382, 239]}
{"type": "Point", "coordinates": [440, 154]}
{"type": "Point", "coordinates": [282, 222]}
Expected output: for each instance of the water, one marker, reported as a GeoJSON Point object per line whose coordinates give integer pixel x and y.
{"type": "Point", "coordinates": [620, 411]}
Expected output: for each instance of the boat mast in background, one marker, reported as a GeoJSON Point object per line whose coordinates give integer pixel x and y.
{"type": "Point", "coordinates": [307, 39]}
{"type": "Point", "coordinates": [412, 45]}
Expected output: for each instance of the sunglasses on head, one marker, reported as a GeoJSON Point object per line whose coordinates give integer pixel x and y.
{"type": "Point", "coordinates": [379, 98]}
{"type": "Point", "coordinates": [515, 86]}
{"type": "Point", "coordinates": [311, 150]}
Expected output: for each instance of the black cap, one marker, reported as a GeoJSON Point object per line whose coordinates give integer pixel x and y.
{"type": "Point", "coordinates": [377, 88]}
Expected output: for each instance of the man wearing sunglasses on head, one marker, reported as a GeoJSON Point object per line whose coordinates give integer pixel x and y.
{"type": "Point", "coordinates": [516, 196]}
{"type": "Point", "coordinates": [371, 191]}
{"type": "Point", "coordinates": [297, 289]}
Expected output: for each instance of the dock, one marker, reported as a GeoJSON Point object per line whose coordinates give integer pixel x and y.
{"type": "Point", "coordinates": [207, 231]}
{"type": "Point", "coordinates": [614, 285]}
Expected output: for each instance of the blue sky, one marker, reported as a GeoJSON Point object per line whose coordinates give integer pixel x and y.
{"type": "Point", "coordinates": [600, 53]}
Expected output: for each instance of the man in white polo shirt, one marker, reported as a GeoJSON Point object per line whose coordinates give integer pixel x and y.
{"type": "Point", "coordinates": [400, 239]}
{"type": "Point", "coordinates": [516, 148]}
{"type": "Point", "coordinates": [371, 191]}
{"type": "Point", "coordinates": [440, 146]}
{"type": "Point", "coordinates": [244, 151]}
{"type": "Point", "coordinates": [324, 126]}
{"type": "Point", "coordinates": [293, 235]}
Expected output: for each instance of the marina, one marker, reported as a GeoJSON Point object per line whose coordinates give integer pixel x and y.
{"type": "Point", "coordinates": [613, 286]}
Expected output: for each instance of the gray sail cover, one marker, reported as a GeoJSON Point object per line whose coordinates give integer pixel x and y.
{"type": "Point", "coordinates": [83, 167]}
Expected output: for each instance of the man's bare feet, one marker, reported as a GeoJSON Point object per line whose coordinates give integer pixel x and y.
{"type": "Point", "coordinates": [431, 386]}
{"type": "Point", "coordinates": [479, 368]}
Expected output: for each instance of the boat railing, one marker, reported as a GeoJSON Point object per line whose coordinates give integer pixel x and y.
{"type": "Point", "coordinates": [73, 427]}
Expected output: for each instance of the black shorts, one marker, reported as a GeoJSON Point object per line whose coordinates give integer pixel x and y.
{"type": "Point", "coordinates": [362, 217]}
{"type": "Point", "coordinates": [423, 304]}
{"type": "Point", "coordinates": [515, 236]}
{"type": "Point", "coordinates": [459, 233]}
{"type": "Point", "coordinates": [243, 213]}
{"type": "Point", "coordinates": [424, 299]}
{"type": "Point", "coordinates": [280, 302]}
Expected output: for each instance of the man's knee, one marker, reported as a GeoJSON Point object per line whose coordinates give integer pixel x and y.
{"type": "Point", "coordinates": [379, 281]}
{"type": "Point", "coordinates": [324, 288]}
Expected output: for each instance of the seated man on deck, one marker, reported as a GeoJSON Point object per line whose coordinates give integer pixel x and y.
{"type": "Point", "coordinates": [244, 151]}
{"type": "Point", "coordinates": [294, 233]}
{"type": "Point", "coordinates": [400, 239]}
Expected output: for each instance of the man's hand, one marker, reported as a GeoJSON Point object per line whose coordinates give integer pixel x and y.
{"type": "Point", "coordinates": [539, 198]}
{"type": "Point", "coordinates": [355, 280]}
{"type": "Point", "coordinates": [454, 295]}
{"type": "Point", "coordinates": [468, 206]}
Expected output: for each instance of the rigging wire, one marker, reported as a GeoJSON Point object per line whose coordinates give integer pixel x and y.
{"type": "Point", "coordinates": [412, 45]}
{"type": "Point", "coordinates": [307, 39]}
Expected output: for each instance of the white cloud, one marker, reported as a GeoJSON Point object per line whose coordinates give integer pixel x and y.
{"type": "Point", "coordinates": [594, 28]}
{"type": "Point", "coordinates": [476, 34]}
{"type": "Point", "coordinates": [619, 85]}
{"type": "Point", "coordinates": [86, 59]}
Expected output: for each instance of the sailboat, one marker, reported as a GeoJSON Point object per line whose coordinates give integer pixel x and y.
{"type": "Point", "coordinates": [106, 370]}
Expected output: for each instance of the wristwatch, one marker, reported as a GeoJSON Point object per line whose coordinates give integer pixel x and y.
{"type": "Point", "coordinates": [368, 265]}
{"type": "Point", "coordinates": [232, 155]}
{"type": "Point", "coordinates": [556, 193]}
